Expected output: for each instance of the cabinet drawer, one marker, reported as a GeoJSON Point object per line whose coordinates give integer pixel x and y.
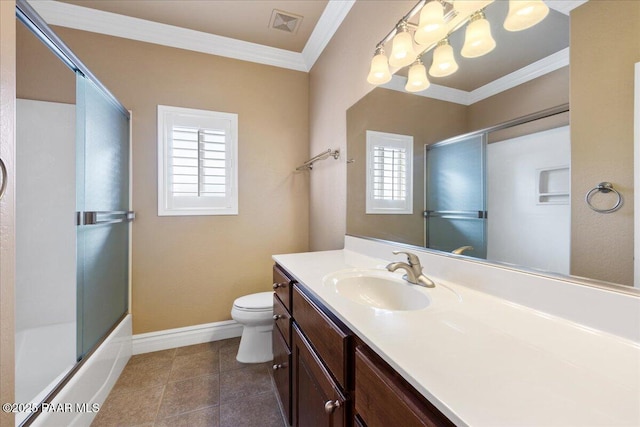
{"type": "Point", "coordinates": [383, 398]}
{"type": "Point", "coordinates": [330, 342]}
{"type": "Point", "coordinates": [317, 399]}
{"type": "Point", "coordinates": [282, 286]}
{"type": "Point", "coordinates": [282, 320]}
{"type": "Point", "coordinates": [282, 372]}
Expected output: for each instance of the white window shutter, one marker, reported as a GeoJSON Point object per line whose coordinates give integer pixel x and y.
{"type": "Point", "coordinates": [389, 173]}
{"type": "Point", "coordinates": [197, 162]}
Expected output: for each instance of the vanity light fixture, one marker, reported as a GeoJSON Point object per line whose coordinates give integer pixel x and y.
{"type": "Point", "coordinates": [478, 40]}
{"type": "Point", "coordinates": [431, 27]}
{"type": "Point", "coordinates": [438, 20]}
{"type": "Point", "coordinates": [379, 72]}
{"type": "Point", "coordinates": [444, 62]}
{"type": "Point", "coordinates": [417, 80]}
{"type": "Point", "coordinates": [468, 7]}
{"type": "Point", "coordinates": [402, 53]}
{"type": "Point", "coordinates": [524, 14]}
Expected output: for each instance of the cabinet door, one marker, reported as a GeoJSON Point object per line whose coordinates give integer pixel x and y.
{"type": "Point", "coordinates": [282, 286]}
{"type": "Point", "coordinates": [383, 399]}
{"type": "Point", "coordinates": [282, 372]}
{"type": "Point", "coordinates": [317, 400]}
{"type": "Point", "coordinates": [330, 341]}
{"type": "Point", "coordinates": [282, 320]}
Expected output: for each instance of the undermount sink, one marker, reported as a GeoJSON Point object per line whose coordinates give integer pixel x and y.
{"type": "Point", "coordinates": [378, 289]}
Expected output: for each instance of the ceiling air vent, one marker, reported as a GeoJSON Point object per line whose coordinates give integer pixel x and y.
{"type": "Point", "coordinates": [285, 21]}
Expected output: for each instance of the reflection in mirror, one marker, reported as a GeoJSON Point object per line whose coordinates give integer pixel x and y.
{"type": "Point", "coordinates": [521, 177]}
{"type": "Point", "coordinates": [553, 230]}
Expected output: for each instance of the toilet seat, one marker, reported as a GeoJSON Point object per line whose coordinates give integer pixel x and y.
{"type": "Point", "coordinates": [262, 301]}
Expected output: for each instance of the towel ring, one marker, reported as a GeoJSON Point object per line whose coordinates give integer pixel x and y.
{"type": "Point", "coordinates": [604, 187]}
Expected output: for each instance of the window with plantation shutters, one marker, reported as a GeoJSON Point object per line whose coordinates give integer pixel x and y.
{"type": "Point", "coordinates": [197, 162]}
{"type": "Point", "coordinates": [389, 173]}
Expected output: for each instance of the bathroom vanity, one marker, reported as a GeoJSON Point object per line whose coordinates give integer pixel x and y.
{"type": "Point", "coordinates": [466, 358]}
{"type": "Point", "coordinates": [320, 365]}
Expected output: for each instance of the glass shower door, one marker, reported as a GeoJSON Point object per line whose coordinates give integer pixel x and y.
{"type": "Point", "coordinates": [102, 199]}
{"type": "Point", "coordinates": [455, 200]}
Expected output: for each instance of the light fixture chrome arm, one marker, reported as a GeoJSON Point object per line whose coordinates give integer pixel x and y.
{"type": "Point", "coordinates": [405, 19]}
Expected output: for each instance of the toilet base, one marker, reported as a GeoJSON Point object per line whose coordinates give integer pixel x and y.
{"type": "Point", "coordinates": [255, 344]}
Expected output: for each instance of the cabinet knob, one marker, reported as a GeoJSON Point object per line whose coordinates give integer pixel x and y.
{"type": "Point", "coordinates": [277, 316]}
{"type": "Point", "coordinates": [279, 285]}
{"type": "Point", "coordinates": [331, 405]}
{"type": "Point", "coordinates": [279, 366]}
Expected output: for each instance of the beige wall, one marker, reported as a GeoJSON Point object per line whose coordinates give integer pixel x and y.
{"type": "Point", "coordinates": [188, 270]}
{"type": "Point", "coordinates": [605, 44]}
{"type": "Point", "coordinates": [337, 81]}
{"type": "Point", "coordinates": [7, 206]}
{"type": "Point", "coordinates": [428, 121]}
{"type": "Point", "coordinates": [41, 75]}
{"type": "Point", "coordinates": [535, 95]}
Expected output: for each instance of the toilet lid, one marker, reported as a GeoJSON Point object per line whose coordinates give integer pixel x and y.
{"type": "Point", "coordinates": [255, 302]}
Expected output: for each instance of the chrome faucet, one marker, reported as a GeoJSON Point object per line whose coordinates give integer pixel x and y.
{"type": "Point", "coordinates": [413, 268]}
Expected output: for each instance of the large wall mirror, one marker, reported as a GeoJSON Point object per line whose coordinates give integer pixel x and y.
{"type": "Point", "coordinates": [571, 78]}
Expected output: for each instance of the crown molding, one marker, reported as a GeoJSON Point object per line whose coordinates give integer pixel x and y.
{"type": "Point", "coordinates": [327, 25]}
{"type": "Point", "coordinates": [97, 21]}
{"type": "Point", "coordinates": [539, 68]}
{"type": "Point", "coordinates": [434, 91]}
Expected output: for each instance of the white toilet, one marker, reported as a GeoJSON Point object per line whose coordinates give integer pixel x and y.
{"type": "Point", "coordinates": [255, 313]}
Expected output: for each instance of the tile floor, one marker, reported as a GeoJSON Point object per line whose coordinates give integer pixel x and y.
{"type": "Point", "coordinates": [199, 385]}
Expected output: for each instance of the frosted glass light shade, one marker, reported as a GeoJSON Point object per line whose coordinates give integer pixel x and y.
{"type": "Point", "coordinates": [402, 53]}
{"type": "Point", "coordinates": [468, 7]}
{"type": "Point", "coordinates": [431, 26]}
{"type": "Point", "coordinates": [444, 63]}
{"type": "Point", "coordinates": [478, 40]}
{"type": "Point", "coordinates": [417, 79]}
{"type": "Point", "coordinates": [379, 72]}
{"type": "Point", "coordinates": [524, 14]}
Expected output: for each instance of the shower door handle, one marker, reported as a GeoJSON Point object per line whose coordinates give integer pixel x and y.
{"type": "Point", "coordinates": [3, 186]}
{"type": "Point", "coordinates": [104, 217]}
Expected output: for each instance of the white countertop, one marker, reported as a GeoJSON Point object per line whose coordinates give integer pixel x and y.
{"type": "Point", "coordinates": [485, 361]}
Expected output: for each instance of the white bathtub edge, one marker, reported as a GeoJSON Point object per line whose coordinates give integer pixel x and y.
{"type": "Point", "coordinates": [93, 381]}
{"type": "Point", "coordinates": [190, 335]}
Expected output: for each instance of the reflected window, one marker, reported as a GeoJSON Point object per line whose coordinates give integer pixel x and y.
{"type": "Point", "coordinates": [389, 173]}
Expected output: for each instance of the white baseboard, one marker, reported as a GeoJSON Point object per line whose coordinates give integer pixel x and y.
{"type": "Point", "coordinates": [179, 337]}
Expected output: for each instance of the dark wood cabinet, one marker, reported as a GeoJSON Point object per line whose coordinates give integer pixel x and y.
{"type": "Point", "coordinates": [324, 380]}
{"type": "Point", "coordinates": [282, 320]}
{"type": "Point", "coordinates": [329, 340]}
{"type": "Point", "coordinates": [282, 286]}
{"type": "Point", "coordinates": [317, 399]}
{"type": "Point", "coordinates": [383, 398]}
{"type": "Point", "coordinates": [282, 373]}
{"type": "Point", "coordinates": [281, 338]}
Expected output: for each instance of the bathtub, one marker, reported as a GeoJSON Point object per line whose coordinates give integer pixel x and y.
{"type": "Point", "coordinates": [90, 385]}
{"type": "Point", "coordinates": [34, 379]}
